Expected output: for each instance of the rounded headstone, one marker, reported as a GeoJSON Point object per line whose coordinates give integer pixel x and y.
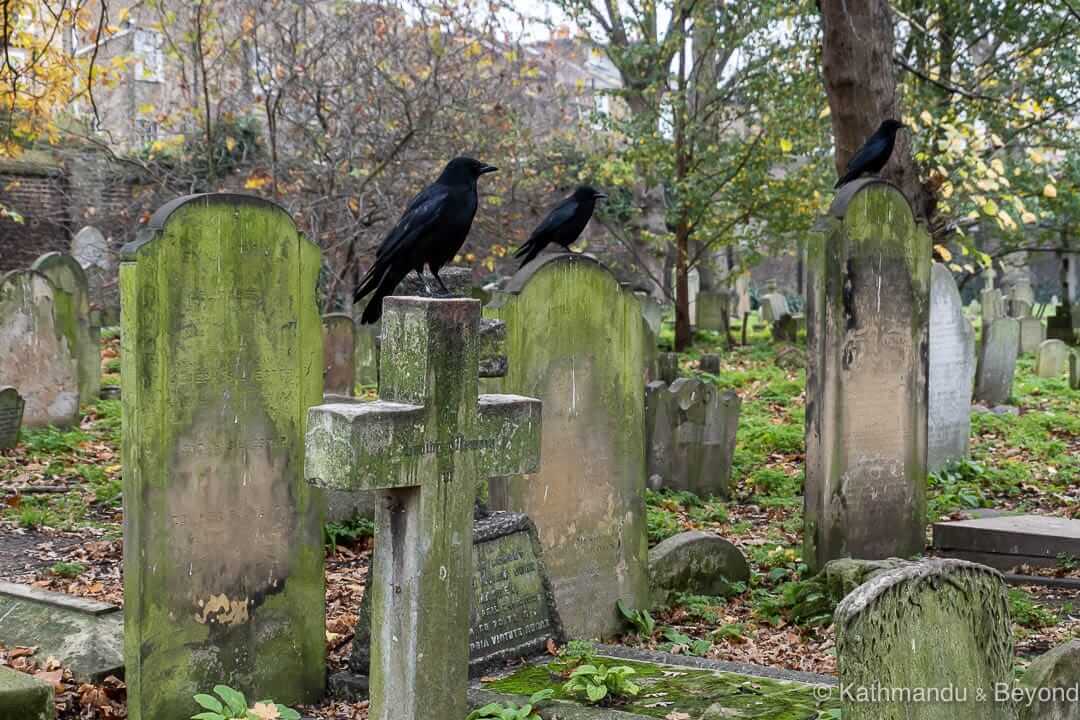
{"type": "Point", "coordinates": [68, 277]}
{"type": "Point", "coordinates": [1051, 359]}
{"type": "Point", "coordinates": [698, 563]}
{"type": "Point", "coordinates": [1053, 680]}
{"type": "Point", "coordinates": [36, 352]}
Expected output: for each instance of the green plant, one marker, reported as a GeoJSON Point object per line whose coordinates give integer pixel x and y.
{"type": "Point", "coordinates": [346, 533]}
{"type": "Point", "coordinates": [233, 706]}
{"type": "Point", "coordinates": [67, 569]}
{"type": "Point", "coordinates": [683, 644]}
{"type": "Point", "coordinates": [510, 710]}
{"type": "Point", "coordinates": [596, 682]}
{"type": "Point", "coordinates": [642, 622]}
{"type": "Point", "coordinates": [1027, 613]}
{"type": "Point", "coordinates": [572, 655]}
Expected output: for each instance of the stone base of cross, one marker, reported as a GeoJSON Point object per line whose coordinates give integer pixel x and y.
{"type": "Point", "coordinates": [424, 446]}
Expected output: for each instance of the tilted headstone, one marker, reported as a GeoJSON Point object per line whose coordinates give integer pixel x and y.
{"type": "Point", "coordinates": [512, 613]}
{"type": "Point", "coordinates": [868, 305]}
{"type": "Point", "coordinates": [773, 307]}
{"type": "Point", "coordinates": [425, 445]}
{"type": "Point", "coordinates": [576, 342]}
{"type": "Point", "coordinates": [1032, 333]}
{"type": "Point", "coordinates": [69, 279]}
{"type": "Point", "coordinates": [339, 359]}
{"type": "Point", "coordinates": [36, 354]}
{"type": "Point", "coordinates": [925, 641]}
{"type": "Point", "coordinates": [952, 372]}
{"type": "Point", "coordinates": [690, 429]}
{"type": "Point", "coordinates": [91, 250]}
{"type": "Point", "coordinates": [1051, 359]}
{"type": "Point", "coordinates": [712, 311]}
{"type": "Point", "coordinates": [11, 414]}
{"type": "Point", "coordinates": [997, 362]}
{"type": "Point", "coordinates": [223, 548]}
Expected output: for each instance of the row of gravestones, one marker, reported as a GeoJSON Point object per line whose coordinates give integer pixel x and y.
{"type": "Point", "coordinates": [49, 349]}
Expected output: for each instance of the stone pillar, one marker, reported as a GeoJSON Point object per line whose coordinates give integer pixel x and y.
{"type": "Point", "coordinates": [866, 416]}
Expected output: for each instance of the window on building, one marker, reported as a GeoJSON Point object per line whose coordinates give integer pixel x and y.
{"type": "Point", "coordinates": [150, 56]}
{"type": "Point", "coordinates": [146, 131]}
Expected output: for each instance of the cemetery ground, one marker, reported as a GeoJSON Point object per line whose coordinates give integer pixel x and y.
{"type": "Point", "coordinates": [61, 517]}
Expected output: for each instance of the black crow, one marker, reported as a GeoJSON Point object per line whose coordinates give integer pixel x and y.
{"type": "Point", "coordinates": [563, 225]}
{"type": "Point", "coordinates": [874, 153]}
{"type": "Point", "coordinates": [430, 232]}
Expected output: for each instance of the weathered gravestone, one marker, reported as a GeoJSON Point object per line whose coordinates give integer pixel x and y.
{"type": "Point", "coordinates": [512, 612]}
{"type": "Point", "coordinates": [712, 311]}
{"type": "Point", "coordinates": [991, 305]}
{"type": "Point", "coordinates": [1074, 370]}
{"type": "Point", "coordinates": [696, 562]}
{"type": "Point", "coordinates": [223, 550]}
{"type": "Point", "coordinates": [997, 362]}
{"type": "Point", "coordinates": [1051, 685]}
{"type": "Point", "coordinates": [91, 250]}
{"type": "Point", "coordinates": [339, 347]}
{"type": "Point", "coordinates": [1051, 359]}
{"type": "Point", "coordinates": [425, 445]}
{"type": "Point", "coordinates": [36, 354]}
{"type": "Point", "coordinates": [575, 340]}
{"type": "Point", "coordinates": [773, 307]}
{"type": "Point", "coordinates": [926, 641]}
{"type": "Point", "coordinates": [742, 294]}
{"type": "Point", "coordinates": [667, 367]}
{"type": "Point", "coordinates": [1032, 333]}
{"type": "Point", "coordinates": [70, 281]}
{"type": "Point", "coordinates": [652, 315]}
{"type": "Point", "coordinates": [85, 635]}
{"type": "Point", "coordinates": [690, 429]}
{"type": "Point", "coordinates": [866, 416]}
{"type": "Point", "coordinates": [25, 697]}
{"type": "Point", "coordinates": [366, 351]}
{"type": "Point", "coordinates": [952, 372]}
{"type": "Point", "coordinates": [11, 413]}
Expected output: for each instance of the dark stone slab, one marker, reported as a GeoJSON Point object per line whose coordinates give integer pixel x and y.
{"type": "Point", "coordinates": [11, 412]}
{"type": "Point", "coordinates": [84, 635]}
{"type": "Point", "coordinates": [513, 612]}
{"type": "Point", "coordinates": [1016, 539]}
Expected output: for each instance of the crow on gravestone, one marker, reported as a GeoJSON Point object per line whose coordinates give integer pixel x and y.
{"type": "Point", "coordinates": [874, 153]}
{"type": "Point", "coordinates": [563, 225]}
{"type": "Point", "coordinates": [430, 232]}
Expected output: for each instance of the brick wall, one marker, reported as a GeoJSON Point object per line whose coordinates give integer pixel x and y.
{"type": "Point", "coordinates": [38, 192]}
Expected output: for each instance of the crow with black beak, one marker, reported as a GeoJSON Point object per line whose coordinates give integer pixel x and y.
{"type": "Point", "coordinates": [563, 225]}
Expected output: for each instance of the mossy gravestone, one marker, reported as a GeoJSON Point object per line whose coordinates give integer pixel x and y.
{"type": "Point", "coordinates": [72, 290]}
{"type": "Point", "coordinates": [11, 412]}
{"type": "Point", "coordinates": [425, 445]}
{"type": "Point", "coordinates": [952, 372]}
{"type": "Point", "coordinates": [927, 641]}
{"type": "Point", "coordinates": [223, 557]}
{"type": "Point", "coordinates": [37, 355]}
{"type": "Point", "coordinates": [575, 340]}
{"type": "Point", "coordinates": [868, 305]}
{"type": "Point", "coordinates": [339, 354]}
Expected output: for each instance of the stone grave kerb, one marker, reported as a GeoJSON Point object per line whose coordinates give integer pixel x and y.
{"type": "Point", "coordinates": [425, 445]}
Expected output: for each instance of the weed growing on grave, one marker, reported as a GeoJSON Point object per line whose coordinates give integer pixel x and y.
{"type": "Point", "coordinates": [680, 643]}
{"type": "Point", "coordinates": [958, 485]}
{"type": "Point", "coordinates": [642, 622]}
{"type": "Point", "coordinates": [233, 706]}
{"type": "Point", "coordinates": [1026, 613]}
{"type": "Point", "coordinates": [68, 569]}
{"type": "Point", "coordinates": [571, 656]}
{"type": "Point", "coordinates": [596, 683]}
{"type": "Point", "coordinates": [511, 711]}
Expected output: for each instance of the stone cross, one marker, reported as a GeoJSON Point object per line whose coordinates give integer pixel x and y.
{"type": "Point", "coordinates": [425, 446]}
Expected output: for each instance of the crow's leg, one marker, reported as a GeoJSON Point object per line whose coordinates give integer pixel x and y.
{"type": "Point", "coordinates": [442, 286]}
{"type": "Point", "coordinates": [427, 288]}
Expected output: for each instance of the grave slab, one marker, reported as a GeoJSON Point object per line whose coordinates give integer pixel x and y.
{"type": "Point", "coordinates": [1006, 541]}
{"type": "Point", "coordinates": [86, 636]}
{"type": "Point", "coordinates": [223, 547]}
{"type": "Point", "coordinates": [424, 446]}
{"type": "Point", "coordinates": [24, 697]}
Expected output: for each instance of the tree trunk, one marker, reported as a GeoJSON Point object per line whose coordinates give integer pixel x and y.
{"type": "Point", "coordinates": [860, 80]}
